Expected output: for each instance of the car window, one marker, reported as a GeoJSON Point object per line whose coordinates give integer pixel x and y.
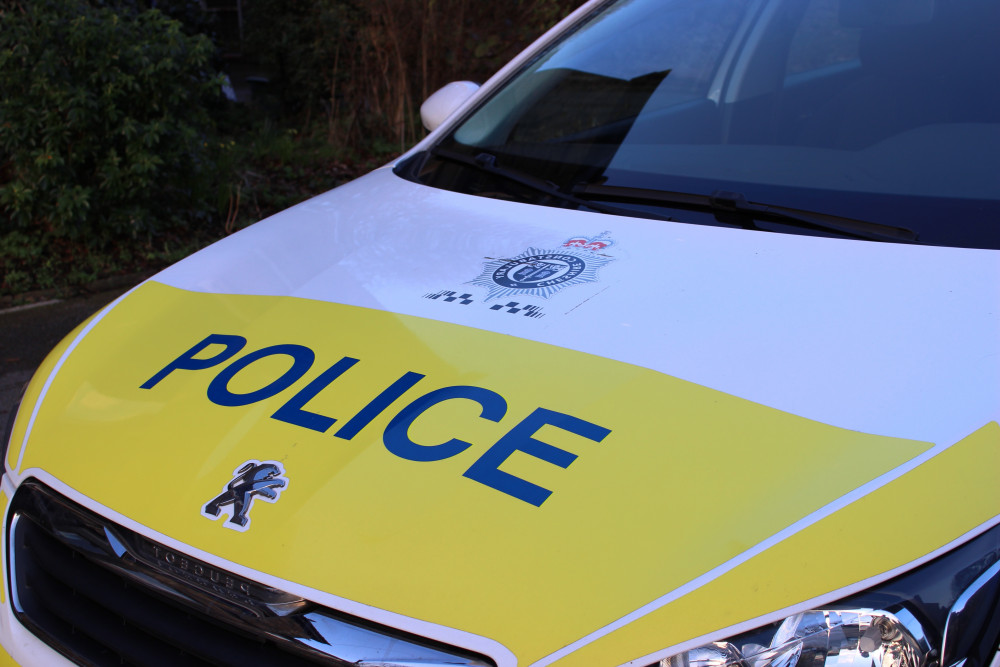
{"type": "Point", "coordinates": [875, 110]}
{"type": "Point", "coordinates": [821, 41]}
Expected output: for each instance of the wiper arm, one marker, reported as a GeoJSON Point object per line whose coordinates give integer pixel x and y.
{"type": "Point", "coordinates": [487, 163]}
{"type": "Point", "coordinates": [736, 204]}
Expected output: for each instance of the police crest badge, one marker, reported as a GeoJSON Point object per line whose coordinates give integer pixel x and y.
{"type": "Point", "coordinates": [539, 272]}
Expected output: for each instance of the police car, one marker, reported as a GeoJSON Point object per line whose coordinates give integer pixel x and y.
{"type": "Point", "coordinates": [677, 343]}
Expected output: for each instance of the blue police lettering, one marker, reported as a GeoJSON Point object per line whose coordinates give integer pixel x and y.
{"type": "Point", "coordinates": [302, 359]}
{"type": "Point", "coordinates": [378, 405]}
{"type": "Point", "coordinates": [396, 437]}
{"type": "Point", "coordinates": [486, 470]}
{"type": "Point", "coordinates": [292, 412]}
{"type": "Point", "coordinates": [188, 361]}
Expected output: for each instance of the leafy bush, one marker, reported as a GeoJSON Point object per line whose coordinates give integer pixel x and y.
{"type": "Point", "coordinates": [117, 152]}
{"type": "Point", "coordinates": [104, 127]}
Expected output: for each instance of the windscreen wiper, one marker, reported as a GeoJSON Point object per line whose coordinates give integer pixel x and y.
{"type": "Point", "coordinates": [487, 163]}
{"type": "Point", "coordinates": [733, 207]}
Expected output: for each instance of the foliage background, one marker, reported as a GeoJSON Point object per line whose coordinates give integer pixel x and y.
{"type": "Point", "coordinates": [119, 152]}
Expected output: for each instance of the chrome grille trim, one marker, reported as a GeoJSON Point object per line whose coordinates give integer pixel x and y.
{"type": "Point", "coordinates": [102, 594]}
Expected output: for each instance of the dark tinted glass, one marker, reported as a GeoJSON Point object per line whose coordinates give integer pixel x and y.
{"type": "Point", "coordinates": [879, 110]}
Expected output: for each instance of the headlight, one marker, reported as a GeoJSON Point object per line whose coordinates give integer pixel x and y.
{"type": "Point", "coordinates": [842, 637]}
{"type": "Point", "coordinates": [943, 614]}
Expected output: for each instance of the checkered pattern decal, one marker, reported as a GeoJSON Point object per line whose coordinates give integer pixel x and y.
{"type": "Point", "coordinates": [451, 297]}
{"type": "Point", "coordinates": [465, 299]}
{"type": "Point", "coordinates": [513, 307]}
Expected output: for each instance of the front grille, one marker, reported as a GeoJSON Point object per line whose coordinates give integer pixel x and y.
{"type": "Point", "coordinates": [102, 595]}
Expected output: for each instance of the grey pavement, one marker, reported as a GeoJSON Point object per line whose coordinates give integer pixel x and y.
{"type": "Point", "coordinates": [28, 333]}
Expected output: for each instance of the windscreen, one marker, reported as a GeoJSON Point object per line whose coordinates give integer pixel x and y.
{"type": "Point", "coordinates": [876, 110]}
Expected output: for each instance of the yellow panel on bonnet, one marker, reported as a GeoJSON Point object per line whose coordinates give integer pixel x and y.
{"type": "Point", "coordinates": [515, 490]}
{"type": "Point", "coordinates": [951, 494]}
{"type": "Point", "coordinates": [34, 389]}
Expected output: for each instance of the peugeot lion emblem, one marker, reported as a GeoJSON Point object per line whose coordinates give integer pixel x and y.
{"type": "Point", "coordinates": [254, 479]}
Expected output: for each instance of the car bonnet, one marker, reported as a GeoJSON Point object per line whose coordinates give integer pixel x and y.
{"type": "Point", "coordinates": [538, 433]}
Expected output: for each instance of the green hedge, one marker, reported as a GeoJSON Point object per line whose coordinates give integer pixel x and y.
{"type": "Point", "coordinates": [117, 151]}
{"type": "Point", "coordinates": [105, 130]}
